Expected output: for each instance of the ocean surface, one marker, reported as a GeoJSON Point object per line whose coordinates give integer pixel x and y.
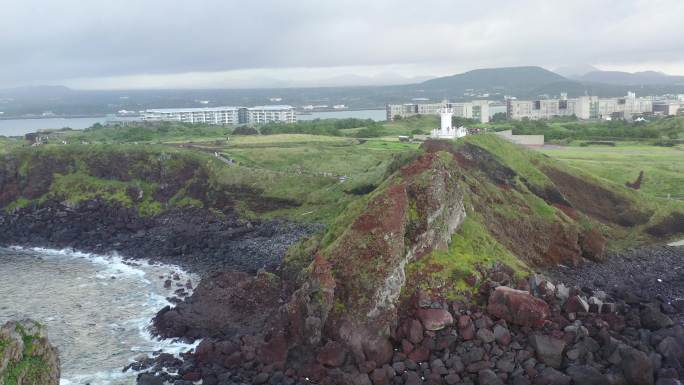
{"type": "Point", "coordinates": [97, 308]}
{"type": "Point", "coordinates": [19, 127]}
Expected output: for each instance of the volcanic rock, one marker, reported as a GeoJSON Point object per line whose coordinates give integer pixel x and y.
{"type": "Point", "coordinates": [517, 307]}
{"type": "Point", "coordinates": [434, 319]}
{"type": "Point", "coordinates": [636, 366]}
{"type": "Point", "coordinates": [549, 350]}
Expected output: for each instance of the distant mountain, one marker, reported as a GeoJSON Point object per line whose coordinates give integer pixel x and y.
{"type": "Point", "coordinates": [509, 80]}
{"type": "Point", "coordinates": [628, 78]}
{"type": "Point", "coordinates": [575, 71]}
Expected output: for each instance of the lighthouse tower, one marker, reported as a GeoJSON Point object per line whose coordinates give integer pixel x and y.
{"type": "Point", "coordinates": [446, 113]}
{"type": "Point", "coordinates": [446, 129]}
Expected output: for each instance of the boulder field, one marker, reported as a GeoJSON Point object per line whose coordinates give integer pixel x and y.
{"type": "Point", "coordinates": [539, 332]}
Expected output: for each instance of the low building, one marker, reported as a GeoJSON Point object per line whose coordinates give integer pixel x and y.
{"type": "Point", "coordinates": [223, 115]}
{"type": "Point", "coordinates": [533, 141]}
{"type": "Point", "coordinates": [477, 110]}
{"type": "Point", "coordinates": [584, 107]}
{"type": "Point", "coordinates": [207, 115]}
{"type": "Point", "coordinates": [668, 107]}
{"type": "Point", "coordinates": [268, 114]}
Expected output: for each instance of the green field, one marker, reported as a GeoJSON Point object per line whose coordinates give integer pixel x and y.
{"type": "Point", "coordinates": [663, 167]}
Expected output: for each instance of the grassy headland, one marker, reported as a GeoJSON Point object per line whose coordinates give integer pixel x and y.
{"type": "Point", "coordinates": [519, 202]}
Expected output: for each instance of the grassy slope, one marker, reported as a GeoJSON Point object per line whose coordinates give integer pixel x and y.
{"type": "Point", "coordinates": [663, 166]}
{"type": "Point", "coordinates": [474, 244]}
{"type": "Point", "coordinates": [305, 168]}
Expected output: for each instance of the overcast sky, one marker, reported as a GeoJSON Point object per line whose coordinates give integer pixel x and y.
{"type": "Point", "coordinates": [228, 43]}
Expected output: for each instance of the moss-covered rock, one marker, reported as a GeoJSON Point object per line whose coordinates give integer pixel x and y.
{"type": "Point", "coordinates": [26, 356]}
{"type": "Point", "coordinates": [355, 281]}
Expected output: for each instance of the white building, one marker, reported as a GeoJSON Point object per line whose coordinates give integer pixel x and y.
{"type": "Point", "coordinates": [223, 115]}
{"type": "Point", "coordinates": [446, 130]}
{"type": "Point", "coordinates": [267, 114]}
{"type": "Point", "coordinates": [208, 115]}
{"type": "Point", "coordinates": [585, 107]}
{"type": "Point", "coordinates": [477, 110]}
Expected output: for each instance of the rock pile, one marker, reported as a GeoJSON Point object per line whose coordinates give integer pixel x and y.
{"type": "Point", "coordinates": [538, 333]}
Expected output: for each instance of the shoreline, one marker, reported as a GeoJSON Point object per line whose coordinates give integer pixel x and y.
{"type": "Point", "coordinates": [139, 270]}
{"type": "Point", "coordinates": [195, 239]}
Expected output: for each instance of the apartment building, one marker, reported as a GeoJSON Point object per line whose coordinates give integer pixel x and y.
{"type": "Point", "coordinates": [585, 107]}
{"type": "Point", "coordinates": [208, 115]}
{"type": "Point", "coordinates": [223, 115]}
{"type": "Point", "coordinates": [668, 107]}
{"type": "Point", "coordinates": [477, 109]}
{"type": "Point", "coordinates": [267, 114]}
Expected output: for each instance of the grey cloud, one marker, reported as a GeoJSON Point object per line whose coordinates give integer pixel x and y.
{"type": "Point", "coordinates": [53, 40]}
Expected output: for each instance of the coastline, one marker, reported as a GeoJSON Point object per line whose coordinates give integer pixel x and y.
{"type": "Point", "coordinates": [119, 270]}
{"type": "Point", "coordinates": [195, 239]}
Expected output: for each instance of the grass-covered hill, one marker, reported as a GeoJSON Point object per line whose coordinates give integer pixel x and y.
{"type": "Point", "coordinates": [522, 209]}
{"type": "Point", "coordinates": [442, 221]}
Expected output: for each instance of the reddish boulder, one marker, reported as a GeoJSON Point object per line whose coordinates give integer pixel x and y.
{"type": "Point", "coordinates": [406, 346]}
{"type": "Point", "coordinates": [420, 354]}
{"type": "Point", "coordinates": [273, 351]}
{"type": "Point", "coordinates": [332, 354]}
{"type": "Point", "coordinates": [435, 319]}
{"type": "Point", "coordinates": [576, 304]}
{"type": "Point", "coordinates": [415, 334]}
{"type": "Point", "coordinates": [379, 350]}
{"type": "Point", "coordinates": [379, 377]}
{"type": "Point", "coordinates": [517, 307]}
{"type": "Point", "coordinates": [466, 328]}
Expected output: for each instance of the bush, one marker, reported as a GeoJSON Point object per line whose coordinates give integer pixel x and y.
{"type": "Point", "coordinates": [245, 130]}
{"type": "Point", "coordinates": [332, 127]}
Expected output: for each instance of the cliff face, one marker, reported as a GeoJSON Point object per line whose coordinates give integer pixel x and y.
{"type": "Point", "coordinates": [26, 356]}
{"type": "Point", "coordinates": [355, 283]}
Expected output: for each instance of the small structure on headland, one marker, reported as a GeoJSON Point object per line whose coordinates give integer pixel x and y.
{"type": "Point", "coordinates": [523, 140]}
{"type": "Point", "coordinates": [446, 130]}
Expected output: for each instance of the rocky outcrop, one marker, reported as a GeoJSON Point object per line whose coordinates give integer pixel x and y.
{"type": "Point", "coordinates": [26, 355]}
{"type": "Point", "coordinates": [197, 239]}
{"type": "Point", "coordinates": [350, 293]}
{"type": "Point", "coordinates": [415, 212]}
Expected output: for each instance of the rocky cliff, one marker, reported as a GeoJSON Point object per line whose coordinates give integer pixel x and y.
{"type": "Point", "coordinates": [26, 355]}
{"type": "Point", "coordinates": [424, 251]}
{"type": "Point", "coordinates": [153, 203]}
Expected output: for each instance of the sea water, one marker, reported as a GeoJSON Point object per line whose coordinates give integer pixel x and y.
{"type": "Point", "coordinates": [97, 308]}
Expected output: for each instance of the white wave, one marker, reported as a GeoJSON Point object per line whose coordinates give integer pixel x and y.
{"type": "Point", "coordinates": [114, 265]}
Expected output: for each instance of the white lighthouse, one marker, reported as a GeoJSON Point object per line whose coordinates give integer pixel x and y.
{"type": "Point", "coordinates": [446, 130]}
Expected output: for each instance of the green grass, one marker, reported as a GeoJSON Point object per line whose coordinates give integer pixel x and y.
{"type": "Point", "coordinates": [78, 187]}
{"type": "Point", "coordinates": [563, 130]}
{"type": "Point", "coordinates": [524, 163]}
{"type": "Point", "coordinates": [663, 166]}
{"type": "Point", "coordinates": [8, 144]}
{"type": "Point", "coordinates": [409, 125]}
{"type": "Point", "coordinates": [471, 246]}
{"type": "Point", "coordinates": [30, 368]}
